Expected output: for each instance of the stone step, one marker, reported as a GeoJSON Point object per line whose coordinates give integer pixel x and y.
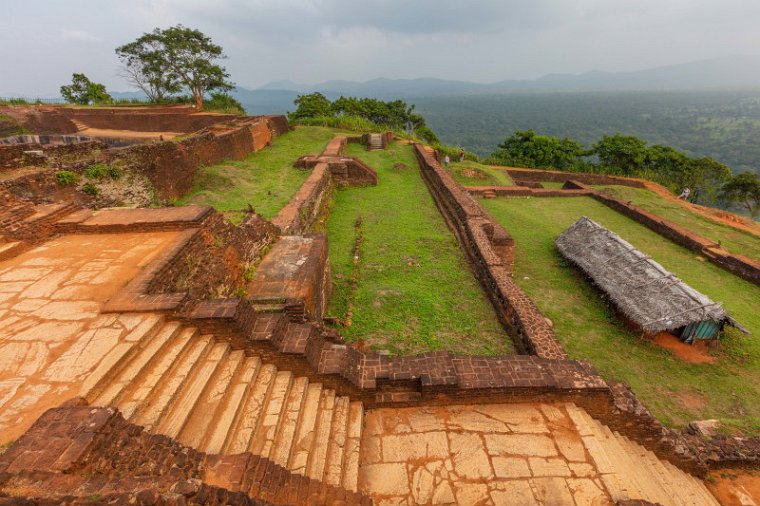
{"type": "Point", "coordinates": [228, 410]}
{"type": "Point", "coordinates": [204, 413]}
{"type": "Point", "coordinates": [151, 411]}
{"type": "Point", "coordinates": [315, 465]}
{"type": "Point", "coordinates": [630, 471]}
{"type": "Point", "coordinates": [119, 356]}
{"type": "Point", "coordinates": [337, 443]}
{"type": "Point", "coordinates": [137, 393]}
{"type": "Point", "coordinates": [10, 249]}
{"type": "Point", "coordinates": [350, 480]}
{"type": "Point", "coordinates": [183, 403]}
{"type": "Point", "coordinates": [266, 430]}
{"type": "Point", "coordinates": [305, 431]}
{"type": "Point", "coordinates": [291, 417]}
{"type": "Point", "coordinates": [146, 356]}
{"type": "Point", "coordinates": [247, 418]}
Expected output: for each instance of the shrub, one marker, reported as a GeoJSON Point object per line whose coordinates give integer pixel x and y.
{"type": "Point", "coordinates": [90, 189]}
{"type": "Point", "coordinates": [66, 177]}
{"type": "Point", "coordinates": [101, 170]}
{"type": "Point", "coordinates": [223, 103]}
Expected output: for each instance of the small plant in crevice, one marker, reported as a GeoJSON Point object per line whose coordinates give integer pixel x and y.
{"type": "Point", "coordinates": [100, 171]}
{"type": "Point", "coordinates": [66, 177]}
{"type": "Point", "coordinates": [90, 189]}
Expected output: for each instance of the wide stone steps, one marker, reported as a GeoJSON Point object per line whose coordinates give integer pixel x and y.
{"type": "Point", "coordinates": [630, 472]}
{"type": "Point", "coordinates": [193, 388]}
{"type": "Point", "coordinates": [375, 142]}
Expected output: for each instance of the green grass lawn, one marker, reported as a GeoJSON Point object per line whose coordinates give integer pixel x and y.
{"type": "Point", "coordinates": [469, 173]}
{"type": "Point", "coordinates": [674, 390]}
{"type": "Point", "coordinates": [266, 179]}
{"type": "Point", "coordinates": [552, 185]}
{"type": "Point", "coordinates": [734, 240]}
{"type": "Point", "coordinates": [416, 292]}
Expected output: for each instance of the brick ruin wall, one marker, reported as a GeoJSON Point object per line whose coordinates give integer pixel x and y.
{"type": "Point", "coordinates": [555, 176]}
{"type": "Point", "coordinates": [12, 155]}
{"type": "Point", "coordinates": [79, 452]}
{"type": "Point", "coordinates": [171, 165]}
{"type": "Point", "coordinates": [212, 263]}
{"type": "Point", "coordinates": [740, 265]}
{"type": "Point", "coordinates": [309, 205]}
{"type": "Point", "coordinates": [483, 239]}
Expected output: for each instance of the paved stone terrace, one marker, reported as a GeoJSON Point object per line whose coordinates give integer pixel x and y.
{"type": "Point", "coordinates": [52, 334]}
{"type": "Point", "coordinates": [478, 454]}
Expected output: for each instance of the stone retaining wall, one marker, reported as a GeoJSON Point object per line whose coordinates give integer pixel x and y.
{"type": "Point", "coordinates": [524, 191]}
{"type": "Point", "coordinates": [483, 239]}
{"type": "Point", "coordinates": [12, 155]}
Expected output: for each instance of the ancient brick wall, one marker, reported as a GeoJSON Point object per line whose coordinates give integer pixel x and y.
{"type": "Point", "coordinates": [77, 451]}
{"type": "Point", "coordinates": [478, 234]}
{"type": "Point", "coordinates": [149, 119]}
{"type": "Point", "coordinates": [740, 265]}
{"type": "Point", "coordinates": [308, 206]}
{"type": "Point", "coordinates": [41, 119]}
{"type": "Point", "coordinates": [12, 155]}
{"type": "Point", "coordinates": [171, 165]}
{"type": "Point", "coordinates": [213, 262]}
{"type": "Point", "coordinates": [556, 176]}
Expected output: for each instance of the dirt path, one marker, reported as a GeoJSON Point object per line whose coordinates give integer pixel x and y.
{"type": "Point", "coordinates": [126, 134]}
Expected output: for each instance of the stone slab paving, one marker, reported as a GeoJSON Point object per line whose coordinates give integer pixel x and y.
{"type": "Point", "coordinates": [52, 334]}
{"type": "Point", "coordinates": [489, 454]}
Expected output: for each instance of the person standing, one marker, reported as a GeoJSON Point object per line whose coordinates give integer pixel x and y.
{"type": "Point", "coordinates": [461, 156]}
{"type": "Point", "coordinates": [446, 160]}
{"type": "Point", "coordinates": [685, 194]}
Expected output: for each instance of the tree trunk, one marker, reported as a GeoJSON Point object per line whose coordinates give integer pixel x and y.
{"type": "Point", "coordinates": [198, 101]}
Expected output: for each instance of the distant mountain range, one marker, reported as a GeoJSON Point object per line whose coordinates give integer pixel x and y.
{"type": "Point", "coordinates": [728, 73]}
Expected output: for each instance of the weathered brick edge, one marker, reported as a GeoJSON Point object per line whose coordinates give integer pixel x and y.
{"type": "Point", "coordinates": [523, 191]}
{"type": "Point", "coordinates": [556, 176]}
{"type": "Point", "coordinates": [308, 204]}
{"type": "Point", "coordinates": [81, 451]}
{"type": "Point", "coordinates": [435, 378]}
{"type": "Point", "coordinates": [137, 296]}
{"type": "Point", "coordinates": [483, 239]}
{"type": "Point", "coordinates": [346, 171]}
{"type": "Point", "coordinates": [740, 265]}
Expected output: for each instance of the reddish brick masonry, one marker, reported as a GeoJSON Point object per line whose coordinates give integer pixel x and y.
{"type": "Point", "coordinates": [482, 238]}
{"type": "Point", "coordinates": [94, 454]}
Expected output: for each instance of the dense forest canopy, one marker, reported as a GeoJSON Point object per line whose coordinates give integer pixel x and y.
{"type": "Point", "coordinates": [722, 125]}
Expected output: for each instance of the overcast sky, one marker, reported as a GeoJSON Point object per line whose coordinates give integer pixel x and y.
{"type": "Point", "coordinates": [42, 42]}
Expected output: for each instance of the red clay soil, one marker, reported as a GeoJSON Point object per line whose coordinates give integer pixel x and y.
{"type": "Point", "coordinates": [732, 487]}
{"type": "Point", "coordinates": [693, 353]}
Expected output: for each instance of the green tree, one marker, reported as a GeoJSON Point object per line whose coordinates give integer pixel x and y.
{"type": "Point", "coordinates": [83, 91]}
{"type": "Point", "coordinates": [176, 57]}
{"type": "Point", "coordinates": [624, 152]}
{"type": "Point", "coordinates": [705, 177]}
{"type": "Point", "coordinates": [744, 190]}
{"type": "Point", "coordinates": [528, 149]}
{"type": "Point", "coordinates": [144, 66]}
{"type": "Point", "coordinates": [313, 105]}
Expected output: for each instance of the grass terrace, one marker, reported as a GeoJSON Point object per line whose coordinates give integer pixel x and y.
{"type": "Point", "coordinates": [734, 240]}
{"type": "Point", "coordinates": [676, 391]}
{"type": "Point", "coordinates": [415, 290]}
{"type": "Point", "coordinates": [469, 173]}
{"type": "Point", "coordinates": [266, 179]}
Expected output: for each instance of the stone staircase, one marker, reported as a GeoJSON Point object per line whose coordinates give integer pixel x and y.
{"type": "Point", "coordinates": [79, 125]}
{"type": "Point", "coordinates": [375, 142]}
{"type": "Point", "coordinates": [193, 388]}
{"type": "Point", "coordinates": [631, 472]}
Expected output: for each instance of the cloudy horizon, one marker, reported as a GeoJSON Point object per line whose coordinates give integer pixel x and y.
{"type": "Point", "coordinates": [311, 41]}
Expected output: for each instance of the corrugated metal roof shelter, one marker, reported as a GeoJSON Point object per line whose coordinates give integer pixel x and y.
{"type": "Point", "coordinates": [647, 294]}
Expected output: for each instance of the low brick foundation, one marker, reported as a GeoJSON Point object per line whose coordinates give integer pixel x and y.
{"type": "Point", "coordinates": [487, 245]}
{"type": "Point", "coordinates": [524, 191]}
{"type": "Point", "coordinates": [308, 205]}
{"type": "Point", "coordinates": [556, 176]}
